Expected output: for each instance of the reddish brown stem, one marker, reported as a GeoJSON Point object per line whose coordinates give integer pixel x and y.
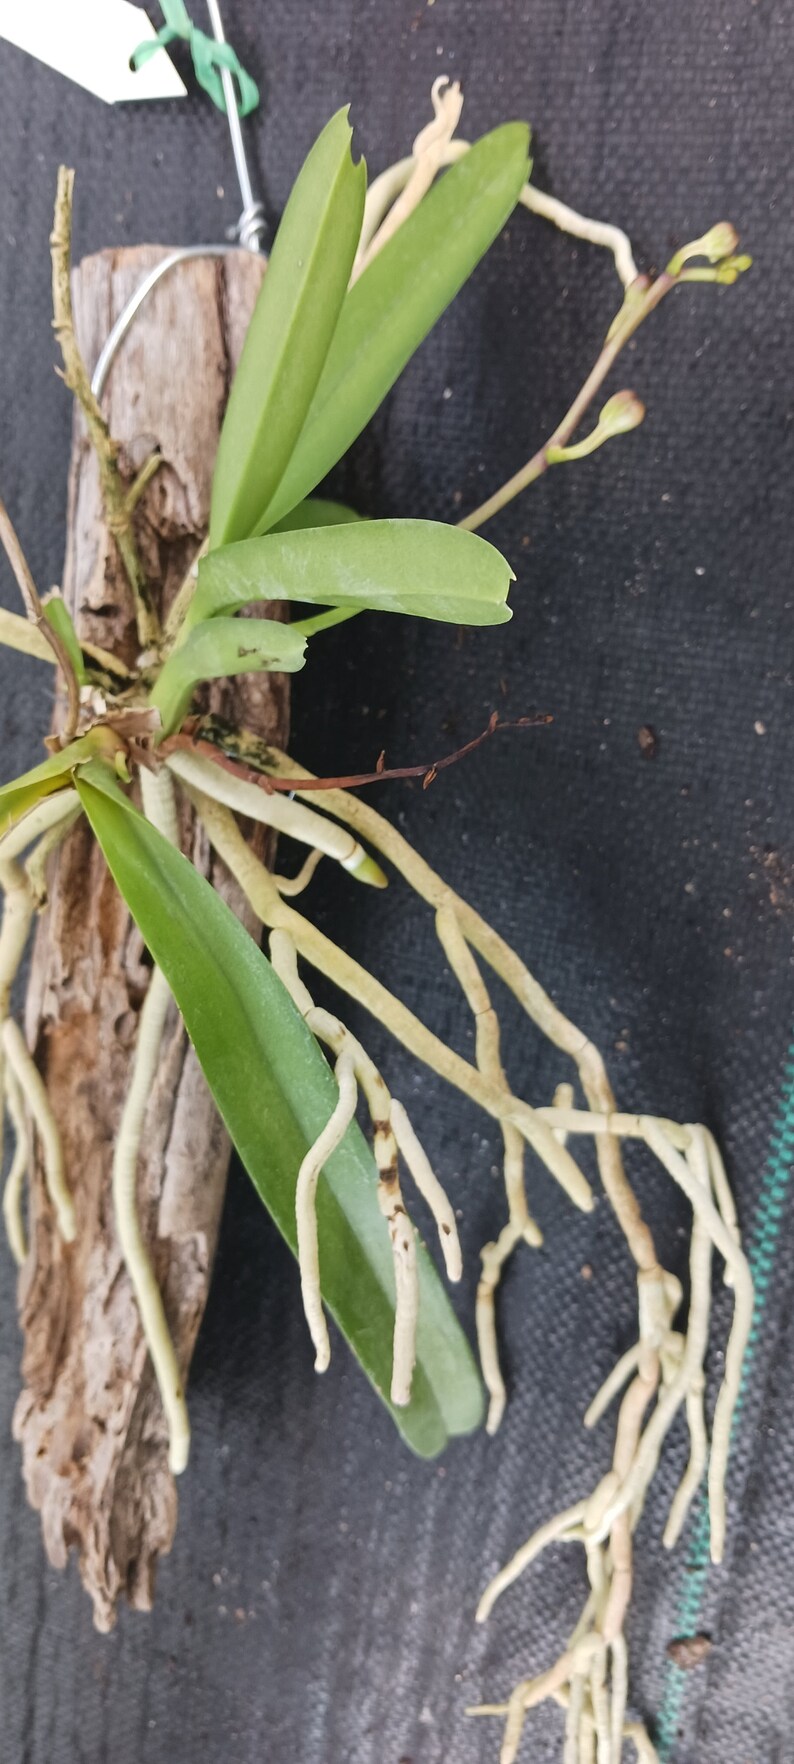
{"type": "Point", "coordinates": [195, 744]}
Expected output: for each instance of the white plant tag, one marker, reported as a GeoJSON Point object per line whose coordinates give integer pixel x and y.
{"type": "Point", "coordinates": [91, 41]}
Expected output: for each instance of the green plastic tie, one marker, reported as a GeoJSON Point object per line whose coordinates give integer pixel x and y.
{"type": "Point", "coordinates": [208, 57]}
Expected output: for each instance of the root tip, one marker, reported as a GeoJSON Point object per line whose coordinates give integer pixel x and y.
{"type": "Point", "coordinates": [496, 1409]}
{"type": "Point", "coordinates": [67, 1223]}
{"type": "Point", "coordinates": [454, 1268]}
{"type": "Point", "coordinates": [178, 1454]}
{"type": "Point", "coordinates": [367, 870]}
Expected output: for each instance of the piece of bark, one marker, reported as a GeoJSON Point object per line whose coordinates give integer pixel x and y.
{"type": "Point", "coordinates": [89, 1418]}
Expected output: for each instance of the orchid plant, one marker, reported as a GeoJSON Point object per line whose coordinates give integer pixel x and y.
{"type": "Point", "coordinates": [356, 280]}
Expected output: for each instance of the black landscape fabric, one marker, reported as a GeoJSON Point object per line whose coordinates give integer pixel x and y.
{"type": "Point", "coordinates": [318, 1604]}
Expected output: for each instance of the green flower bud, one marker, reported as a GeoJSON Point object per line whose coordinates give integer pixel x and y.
{"type": "Point", "coordinates": [721, 241]}
{"type": "Point", "coordinates": [621, 413]}
{"type": "Point", "coordinates": [718, 243]}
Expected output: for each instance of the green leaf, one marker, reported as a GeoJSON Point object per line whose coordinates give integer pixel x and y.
{"type": "Point", "coordinates": [22, 634]}
{"type": "Point", "coordinates": [218, 649]}
{"type": "Point", "coordinates": [419, 567]}
{"type": "Point", "coordinates": [316, 511]}
{"type": "Point", "coordinates": [23, 793]}
{"type": "Point", "coordinates": [57, 614]}
{"type": "Point", "coordinates": [288, 338]}
{"type": "Point", "coordinates": [275, 1092]}
{"type": "Point", "coordinates": [398, 299]}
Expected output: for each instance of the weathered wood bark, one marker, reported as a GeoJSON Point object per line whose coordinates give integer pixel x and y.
{"type": "Point", "coordinates": [89, 1419]}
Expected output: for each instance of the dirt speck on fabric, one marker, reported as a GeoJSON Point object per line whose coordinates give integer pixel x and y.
{"type": "Point", "coordinates": [689, 1651]}
{"type": "Point", "coordinates": [777, 875]}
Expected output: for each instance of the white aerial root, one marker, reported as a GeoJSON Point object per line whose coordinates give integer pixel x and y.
{"type": "Point", "coordinates": [428, 1185]}
{"type": "Point", "coordinates": [724, 1241]}
{"type": "Point", "coordinates": [615, 1381]}
{"type": "Point", "coordinates": [393, 1133]}
{"type": "Point", "coordinates": [539, 1007]}
{"type": "Point", "coordinates": [137, 1260]}
{"type": "Point", "coordinates": [520, 1225]}
{"type": "Point", "coordinates": [722, 1192]}
{"type": "Point", "coordinates": [264, 896]}
{"type": "Point", "coordinates": [565, 1527]}
{"type": "Point", "coordinates": [14, 1187]}
{"type": "Point", "coordinates": [23, 884]}
{"type": "Point", "coordinates": [276, 811]}
{"type": "Point", "coordinates": [600, 1119]}
{"type": "Point", "coordinates": [663, 1373]}
{"type": "Point", "coordinates": [633, 1731]}
{"type": "Point", "coordinates": [290, 886]}
{"type": "Point", "coordinates": [504, 962]}
{"type": "Point", "coordinates": [581, 1724]}
{"type": "Point", "coordinates": [488, 1056]}
{"type": "Point", "coordinates": [31, 1085]}
{"type": "Point", "coordinates": [158, 802]}
{"type": "Point", "coordinates": [392, 196]}
{"type": "Point", "coordinates": [666, 1369]}
{"type": "Point", "coordinates": [406, 1284]}
{"type": "Point", "coordinates": [24, 892]}
{"type": "Point", "coordinates": [398, 191]}
{"type": "Point", "coordinates": [305, 1206]}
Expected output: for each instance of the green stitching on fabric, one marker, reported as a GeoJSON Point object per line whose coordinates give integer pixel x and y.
{"type": "Point", "coordinates": [208, 57]}
{"type": "Point", "coordinates": [766, 1237]}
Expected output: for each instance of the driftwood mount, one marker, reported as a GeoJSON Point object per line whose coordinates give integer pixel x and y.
{"type": "Point", "coordinates": [89, 1420]}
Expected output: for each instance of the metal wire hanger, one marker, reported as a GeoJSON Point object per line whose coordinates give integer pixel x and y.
{"type": "Point", "coordinates": [249, 233]}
